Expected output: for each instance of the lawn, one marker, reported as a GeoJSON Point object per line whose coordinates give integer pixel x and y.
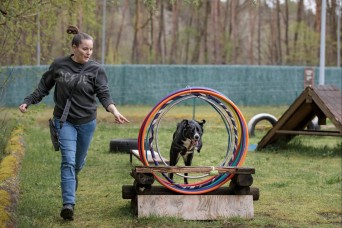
{"type": "Point", "coordinates": [300, 182]}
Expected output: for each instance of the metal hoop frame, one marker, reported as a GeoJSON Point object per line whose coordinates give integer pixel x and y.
{"type": "Point", "coordinates": [235, 125]}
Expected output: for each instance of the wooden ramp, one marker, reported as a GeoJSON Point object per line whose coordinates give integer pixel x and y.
{"type": "Point", "coordinates": [323, 101]}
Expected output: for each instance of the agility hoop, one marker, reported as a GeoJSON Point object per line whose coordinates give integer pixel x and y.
{"type": "Point", "coordinates": [236, 127]}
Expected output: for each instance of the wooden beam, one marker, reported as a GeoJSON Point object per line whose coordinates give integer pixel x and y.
{"type": "Point", "coordinates": [196, 169]}
{"type": "Point", "coordinates": [129, 192]}
{"type": "Point", "coordinates": [306, 132]}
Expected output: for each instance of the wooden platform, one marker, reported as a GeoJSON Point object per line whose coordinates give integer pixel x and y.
{"type": "Point", "coordinates": [235, 200]}
{"type": "Point", "coordinates": [321, 101]}
{"type": "Point", "coordinates": [196, 207]}
{"type": "Point", "coordinates": [159, 159]}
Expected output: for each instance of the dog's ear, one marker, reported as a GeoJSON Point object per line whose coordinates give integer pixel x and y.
{"type": "Point", "coordinates": [185, 122]}
{"type": "Point", "coordinates": [201, 123]}
{"type": "Point", "coordinates": [181, 125]}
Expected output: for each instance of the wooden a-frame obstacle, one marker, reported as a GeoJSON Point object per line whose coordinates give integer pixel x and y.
{"type": "Point", "coordinates": [321, 101]}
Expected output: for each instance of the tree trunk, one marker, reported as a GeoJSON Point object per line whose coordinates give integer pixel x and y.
{"type": "Point", "coordinates": [332, 46]}
{"type": "Point", "coordinates": [205, 31]}
{"type": "Point", "coordinates": [298, 22]}
{"type": "Point", "coordinates": [224, 30]}
{"type": "Point", "coordinates": [278, 44]}
{"type": "Point", "coordinates": [187, 43]}
{"type": "Point", "coordinates": [121, 26]}
{"type": "Point", "coordinates": [174, 42]}
{"type": "Point", "coordinates": [135, 54]}
{"type": "Point", "coordinates": [272, 43]}
{"type": "Point", "coordinates": [109, 34]}
{"type": "Point", "coordinates": [161, 33]}
{"type": "Point", "coordinates": [98, 33]}
{"type": "Point", "coordinates": [198, 37]}
{"type": "Point", "coordinates": [286, 22]}
{"type": "Point", "coordinates": [151, 42]}
{"type": "Point", "coordinates": [233, 34]}
{"type": "Point", "coordinates": [215, 31]}
{"type": "Point", "coordinates": [259, 34]}
{"type": "Point", "coordinates": [318, 15]}
{"type": "Point", "coordinates": [251, 36]}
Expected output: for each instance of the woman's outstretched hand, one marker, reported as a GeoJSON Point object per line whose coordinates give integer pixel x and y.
{"type": "Point", "coordinates": [119, 118]}
{"type": "Point", "coordinates": [23, 108]}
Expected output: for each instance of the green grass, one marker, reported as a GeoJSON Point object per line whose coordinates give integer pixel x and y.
{"type": "Point", "coordinates": [300, 182]}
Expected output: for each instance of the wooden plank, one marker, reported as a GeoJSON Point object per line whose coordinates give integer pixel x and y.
{"type": "Point", "coordinates": [195, 169]}
{"type": "Point", "coordinates": [150, 160]}
{"type": "Point", "coordinates": [330, 102]}
{"type": "Point", "coordinates": [271, 136]}
{"type": "Point", "coordinates": [129, 192]}
{"type": "Point", "coordinates": [307, 132]}
{"type": "Point", "coordinates": [196, 207]}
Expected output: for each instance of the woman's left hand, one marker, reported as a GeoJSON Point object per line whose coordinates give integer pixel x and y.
{"type": "Point", "coordinates": [119, 118]}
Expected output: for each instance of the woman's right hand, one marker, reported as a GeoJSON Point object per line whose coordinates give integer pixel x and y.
{"type": "Point", "coordinates": [23, 108]}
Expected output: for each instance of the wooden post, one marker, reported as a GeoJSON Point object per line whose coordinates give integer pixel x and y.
{"type": "Point", "coordinates": [243, 179]}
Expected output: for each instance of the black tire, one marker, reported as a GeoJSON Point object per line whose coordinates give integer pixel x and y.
{"type": "Point", "coordinates": [257, 118]}
{"type": "Point", "coordinates": [123, 145]}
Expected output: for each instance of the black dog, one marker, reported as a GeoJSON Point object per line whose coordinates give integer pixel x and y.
{"type": "Point", "coordinates": [186, 138]}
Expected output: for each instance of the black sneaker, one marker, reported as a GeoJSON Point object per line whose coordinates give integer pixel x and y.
{"type": "Point", "coordinates": [67, 212]}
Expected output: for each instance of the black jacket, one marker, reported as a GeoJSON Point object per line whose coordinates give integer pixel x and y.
{"type": "Point", "coordinates": [62, 74]}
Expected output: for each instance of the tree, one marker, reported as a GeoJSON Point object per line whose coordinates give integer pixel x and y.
{"type": "Point", "coordinates": [175, 30]}
{"type": "Point", "coordinates": [286, 22]}
{"type": "Point", "coordinates": [298, 23]}
{"type": "Point", "coordinates": [166, 31]}
{"type": "Point", "coordinates": [278, 43]}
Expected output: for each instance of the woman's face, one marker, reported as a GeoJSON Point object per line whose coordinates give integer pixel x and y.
{"type": "Point", "coordinates": [83, 52]}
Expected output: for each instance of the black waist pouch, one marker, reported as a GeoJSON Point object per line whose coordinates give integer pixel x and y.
{"type": "Point", "coordinates": [54, 135]}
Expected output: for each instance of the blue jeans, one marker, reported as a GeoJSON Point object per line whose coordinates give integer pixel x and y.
{"type": "Point", "coordinates": [74, 142]}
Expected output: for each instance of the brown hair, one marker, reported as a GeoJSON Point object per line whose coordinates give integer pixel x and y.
{"type": "Point", "coordinates": [78, 36]}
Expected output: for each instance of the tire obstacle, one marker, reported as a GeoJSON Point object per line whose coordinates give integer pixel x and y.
{"type": "Point", "coordinates": [260, 117]}
{"type": "Point", "coordinates": [123, 145]}
{"type": "Point", "coordinates": [229, 169]}
{"type": "Point", "coordinates": [313, 124]}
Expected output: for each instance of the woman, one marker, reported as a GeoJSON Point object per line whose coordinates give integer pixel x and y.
{"type": "Point", "coordinates": [87, 80]}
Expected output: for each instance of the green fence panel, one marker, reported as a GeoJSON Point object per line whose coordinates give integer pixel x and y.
{"type": "Point", "coordinates": [148, 84]}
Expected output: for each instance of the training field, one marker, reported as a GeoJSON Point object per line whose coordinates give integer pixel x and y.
{"type": "Point", "coordinates": [299, 182]}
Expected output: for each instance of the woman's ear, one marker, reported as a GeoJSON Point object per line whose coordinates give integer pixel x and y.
{"type": "Point", "coordinates": [74, 47]}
